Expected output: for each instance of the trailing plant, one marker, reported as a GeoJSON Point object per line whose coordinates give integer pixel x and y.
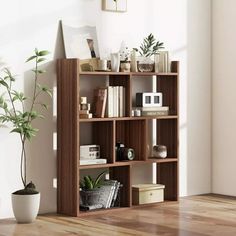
{"type": "Point", "coordinates": [150, 46]}
{"type": "Point", "coordinates": [14, 112]}
{"type": "Point", "coordinates": [88, 183]}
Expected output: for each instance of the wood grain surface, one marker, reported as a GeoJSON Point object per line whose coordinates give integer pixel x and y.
{"type": "Point", "coordinates": [192, 216]}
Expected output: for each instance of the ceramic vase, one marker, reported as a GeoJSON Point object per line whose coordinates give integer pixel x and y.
{"type": "Point", "coordinates": [115, 62]}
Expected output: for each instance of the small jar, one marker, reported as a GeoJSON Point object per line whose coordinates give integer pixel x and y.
{"type": "Point", "coordinates": [159, 151]}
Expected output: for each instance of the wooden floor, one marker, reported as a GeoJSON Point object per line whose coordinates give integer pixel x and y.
{"type": "Point", "coordinates": [192, 216]}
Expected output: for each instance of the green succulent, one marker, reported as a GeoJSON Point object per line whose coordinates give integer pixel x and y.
{"type": "Point", "coordinates": [88, 183]}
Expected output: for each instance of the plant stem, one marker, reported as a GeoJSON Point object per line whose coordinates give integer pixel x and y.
{"type": "Point", "coordinates": [21, 166]}
{"type": "Point", "coordinates": [25, 161]}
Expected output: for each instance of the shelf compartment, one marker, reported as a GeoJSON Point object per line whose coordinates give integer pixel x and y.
{"type": "Point", "coordinates": [132, 133]}
{"type": "Point", "coordinates": [166, 134]}
{"type": "Point", "coordinates": [167, 174]}
{"type": "Point", "coordinates": [99, 133]}
{"type": "Point", "coordinates": [122, 174]}
{"type": "Point", "coordinates": [119, 173]}
{"type": "Point", "coordinates": [169, 90]}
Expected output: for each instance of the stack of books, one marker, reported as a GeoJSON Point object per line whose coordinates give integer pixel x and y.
{"type": "Point", "coordinates": [153, 111]}
{"type": "Point", "coordinates": [84, 109]}
{"type": "Point", "coordinates": [109, 196]}
{"type": "Point", "coordinates": [110, 101]}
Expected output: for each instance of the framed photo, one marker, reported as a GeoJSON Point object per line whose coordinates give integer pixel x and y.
{"type": "Point", "coordinates": [80, 42]}
{"type": "Point", "coordinates": [114, 5]}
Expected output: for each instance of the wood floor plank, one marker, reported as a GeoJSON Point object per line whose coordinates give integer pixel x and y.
{"type": "Point", "coordinates": [201, 215]}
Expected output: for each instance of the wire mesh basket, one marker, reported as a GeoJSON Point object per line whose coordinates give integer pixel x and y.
{"type": "Point", "coordinates": [90, 197]}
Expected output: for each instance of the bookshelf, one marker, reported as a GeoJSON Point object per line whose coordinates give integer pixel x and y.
{"type": "Point", "coordinates": [133, 131]}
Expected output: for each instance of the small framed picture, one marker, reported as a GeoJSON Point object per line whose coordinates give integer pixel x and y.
{"type": "Point", "coordinates": [114, 5]}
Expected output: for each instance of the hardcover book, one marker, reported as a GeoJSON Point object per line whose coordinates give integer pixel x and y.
{"type": "Point", "coordinates": [100, 102]}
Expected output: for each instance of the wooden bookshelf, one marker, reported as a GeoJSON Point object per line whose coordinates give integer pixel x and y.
{"type": "Point", "coordinates": [133, 131]}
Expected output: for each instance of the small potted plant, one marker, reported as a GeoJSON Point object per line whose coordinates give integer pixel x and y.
{"type": "Point", "coordinates": [125, 60]}
{"type": "Point", "coordinates": [149, 47]}
{"type": "Point", "coordinates": [14, 112]}
{"type": "Point", "coordinates": [90, 191]}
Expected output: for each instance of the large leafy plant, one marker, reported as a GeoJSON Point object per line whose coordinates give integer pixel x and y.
{"type": "Point", "coordinates": [13, 111]}
{"type": "Point", "coordinates": [150, 46]}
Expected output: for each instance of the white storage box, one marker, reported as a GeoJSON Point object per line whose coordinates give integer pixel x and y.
{"type": "Point", "coordinates": [147, 193]}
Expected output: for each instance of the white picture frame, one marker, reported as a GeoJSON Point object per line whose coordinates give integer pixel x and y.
{"type": "Point", "coordinates": [80, 42]}
{"type": "Point", "coordinates": [114, 6]}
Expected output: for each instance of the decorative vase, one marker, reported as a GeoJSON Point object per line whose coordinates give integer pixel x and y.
{"type": "Point", "coordinates": [125, 66]}
{"type": "Point", "coordinates": [145, 64]}
{"type": "Point", "coordinates": [134, 67]}
{"type": "Point", "coordinates": [159, 151]}
{"type": "Point", "coordinates": [25, 207]}
{"type": "Point", "coordinates": [115, 62]}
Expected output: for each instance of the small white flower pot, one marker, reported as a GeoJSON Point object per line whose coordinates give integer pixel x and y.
{"type": "Point", "coordinates": [25, 207]}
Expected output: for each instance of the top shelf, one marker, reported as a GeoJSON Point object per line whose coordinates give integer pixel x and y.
{"type": "Point", "coordinates": [127, 73]}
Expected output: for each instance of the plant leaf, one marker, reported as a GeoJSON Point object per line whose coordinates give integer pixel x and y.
{"type": "Point", "coordinates": [31, 58]}
{"type": "Point", "coordinates": [43, 53]}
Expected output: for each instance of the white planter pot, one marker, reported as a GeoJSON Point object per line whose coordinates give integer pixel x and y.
{"type": "Point", "coordinates": [115, 62]}
{"type": "Point", "coordinates": [25, 207]}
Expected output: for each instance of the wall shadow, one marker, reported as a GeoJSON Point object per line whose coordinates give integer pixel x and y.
{"type": "Point", "coordinates": [42, 154]}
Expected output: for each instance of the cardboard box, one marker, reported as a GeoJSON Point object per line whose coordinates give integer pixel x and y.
{"type": "Point", "coordinates": [147, 193]}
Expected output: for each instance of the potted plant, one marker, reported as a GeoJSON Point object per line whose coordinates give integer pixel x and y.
{"type": "Point", "coordinates": [14, 112]}
{"type": "Point", "coordinates": [125, 59]}
{"type": "Point", "coordinates": [149, 47]}
{"type": "Point", "coordinates": [89, 192]}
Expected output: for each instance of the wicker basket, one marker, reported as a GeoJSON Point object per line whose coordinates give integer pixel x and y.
{"type": "Point", "coordinates": [92, 197]}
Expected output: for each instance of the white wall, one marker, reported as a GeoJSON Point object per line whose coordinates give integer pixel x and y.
{"type": "Point", "coordinates": [183, 25]}
{"type": "Point", "coordinates": [224, 96]}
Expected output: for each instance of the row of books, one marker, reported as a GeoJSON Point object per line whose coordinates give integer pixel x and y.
{"type": "Point", "coordinates": [109, 196]}
{"type": "Point", "coordinates": [110, 101]}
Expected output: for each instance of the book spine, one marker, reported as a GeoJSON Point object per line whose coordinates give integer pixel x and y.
{"type": "Point", "coordinates": [100, 96]}
{"type": "Point", "coordinates": [110, 102]}
{"type": "Point", "coordinates": [115, 194]}
{"type": "Point", "coordinates": [92, 161]}
{"type": "Point", "coordinates": [124, 97]}
{"type": "Point", "coordinates": [154, 113]}
{"type": "Point", "coordinates": [165, 108]}
{"type": "Point", "coordinates": [121, 101]}
{"type": "Point", "coordinates": [104, 103]}
{"type": "Point", "coordinates": [115, 101]}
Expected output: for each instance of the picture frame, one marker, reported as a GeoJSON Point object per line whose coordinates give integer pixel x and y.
{"type": "Point", "coordinates": [149, 99]}
{"type": "Point", "coordinates": [80, 42]}
{"type": "Point", "coordinates": [114, 5]}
